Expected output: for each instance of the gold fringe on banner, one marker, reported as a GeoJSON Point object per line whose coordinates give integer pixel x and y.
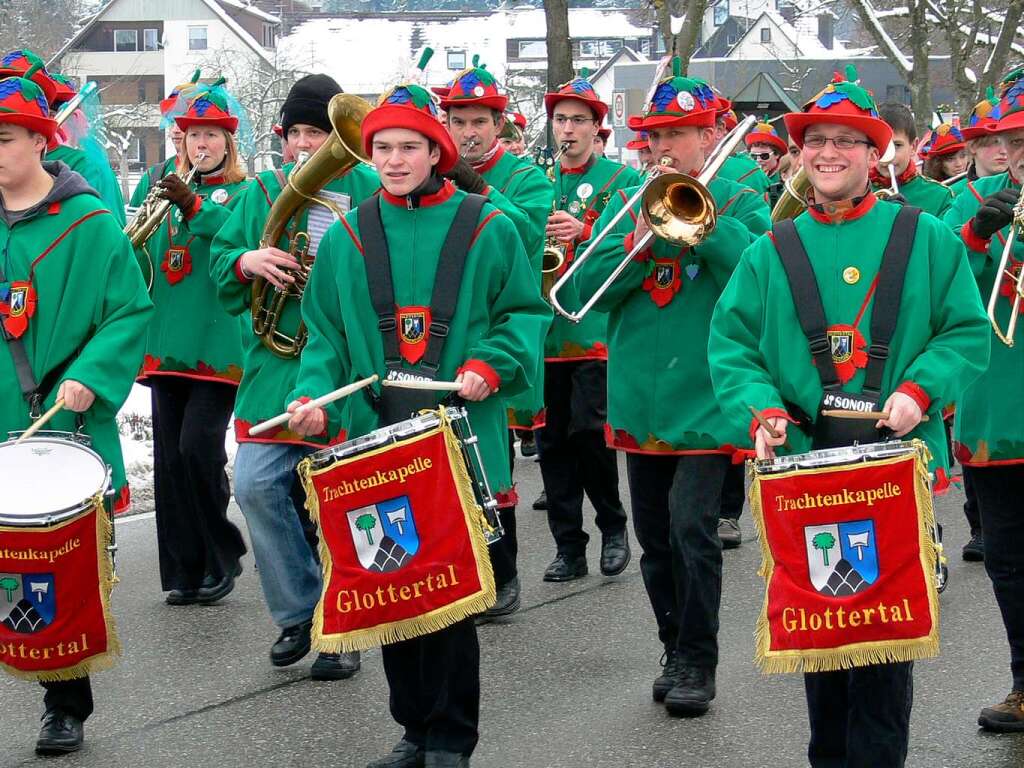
{"type": "Point", "coordinates": [428, 623]}
{"type": "Point", "coordinates": [854, 654]}
{"type": "Point", "coordinates": [107, 579]}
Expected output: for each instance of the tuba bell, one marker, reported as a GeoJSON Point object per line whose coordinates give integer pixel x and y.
{"type": "Point", "coordinates": [342, 151]}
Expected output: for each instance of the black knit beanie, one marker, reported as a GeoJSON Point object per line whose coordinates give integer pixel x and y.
{"type": "Point", "coordinates": [307, 102]}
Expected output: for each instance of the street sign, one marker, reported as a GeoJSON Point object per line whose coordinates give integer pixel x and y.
{"type": "Point", "coordinates": [619, 109]}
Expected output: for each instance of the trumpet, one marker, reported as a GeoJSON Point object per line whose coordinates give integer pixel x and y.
{"type": "Point", "coordinates": [1017, 279]}
{"type": "Point", "coordinates": [468, 147]}
{"type": "Point", "coordinates": [553, 161]}
{"type": "Point", "coordinates": [551, 264]}
{"type": "Point", "coordinates": [678, 208]}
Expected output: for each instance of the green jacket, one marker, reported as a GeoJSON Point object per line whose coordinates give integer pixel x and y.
{"type": "Point", "coordinates": [660, 398]}
{"type": "Point", "coordinates": [568, 341]}
{"type": "Point", "coordinates": [100, 178]}
{"type": "Point", "coordinates": [924, 193]}
{"type": "Point", "coordinates": [989, 425]}
{"type": "Point", "coordinates": [497, 330]}
{"type": "Point", "coordinates": [745, 170]}
{"type": "Point", "coordinates": [192, 335]}
{"type": "Point", "coordinates": [267, 378]}
{"type": "Point", "coordinates": [152, 175]}
{"type": "Point", "coordinates": [91, 308]}
{"type": "Point", "coordinates": [759, 354]}
{"type": "Point", "coordinates": [521, 191]}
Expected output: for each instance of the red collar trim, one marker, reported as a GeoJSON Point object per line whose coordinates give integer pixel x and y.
{"type": "Point", "coordinates": [581, 169]}
{"type": "Point", "coordinates": [206, 181]}
{"type": "Point", "coordinates": [442, 195]}
{"type": "Point", "coordinates": [880, 179]}
{"type": "Point", "coordinates": [53, 209]}
{"type": "Point", "coordinates": [844, 210]}
{"type": "Point", "coordinates": [908, 173]}
{"type": "Point", "coordinates": [485, 166]}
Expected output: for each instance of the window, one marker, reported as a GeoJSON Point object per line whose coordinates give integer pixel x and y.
{"type": "Point", "coordinates": [595, 49]}
{"type": "Point", "coordinates": [766, 34]}
{"type": "Point", "coordinates": [533, 49]}
{"type": "Point", "coordinates": [268, 36]}
{"type": "Point", "coordinates": [900, 93]}
{"type": "Point", "coordinates": [134, 150]}
{"type": "Point", "coordinates": [456, 60]}
{"type": "Point", "coordinates": [197, 38]}
{"type": "Point", "coordinates": [645, 46]}
{"type": "Point", "coordinates": [150, 40]}
{"type": "Point", "coordinates": [721, 13]}
{"type": "Point", "coordinates": [126, 39]}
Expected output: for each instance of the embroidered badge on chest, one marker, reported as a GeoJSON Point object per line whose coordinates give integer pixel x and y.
{"type": "Point", "coordinates": [849, 350]}
{"type": "Point", "coordinates": [413, 323]}
{"type": "Point", "coordinates": [177, 264]}
{"type": "Point", "coordinates": [662, 282]}
{"type": "Point", "coordinates": [219, 196]}
{"type": "Point", "coordinates": [19, 307]}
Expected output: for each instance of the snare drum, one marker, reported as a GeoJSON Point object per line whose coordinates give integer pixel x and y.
{"type": "Point", "coordinates": [835, 457]}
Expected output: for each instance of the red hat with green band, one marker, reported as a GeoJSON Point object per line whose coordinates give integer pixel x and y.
{"type": "Point", "coordinates": [765, 133]}
{"type": "Point", "coordinates": [411, 106]}
{"type": "Point", "coordinates": [639, 142]}
{"type": "Point", "coordinates": [20, 63]}
{"type": "Point", "coordinates": [209, 107]}
{"type": "Point", "coordinates": [474, 86]}
{"type": "Point", "coordinates": [1010, 112]}
{"type": "Point", "coordinates": [577, 89]}
{"type": "Point", "coordinates": [945, 140]}
{"type": "Point", "coordinates": [842, 102]}
{"type": "Point", "coordinates": [23, 102]}
{"type": "Point", "coordinates": [729, 119]}
{"type": "Point", "coordinates": [66, 89]}
{"type": "Point", "coordinates": [984, 114]}
{"type": "Point", "coordinates": [678, 102]}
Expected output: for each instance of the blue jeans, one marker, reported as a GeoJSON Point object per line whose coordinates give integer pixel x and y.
{"type": "Point", "coordinates": [268, 490]}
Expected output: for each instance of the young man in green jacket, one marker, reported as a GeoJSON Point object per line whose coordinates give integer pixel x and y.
{"type": "Point", "coordinates": [917, 189]}
{"type": "Point", "coordinates": [989, 434]}
{"type": "Point", "coordinates": [858, 716]}
{"type": "Point", "coordinates": [491, 344]}
{"type": "Point", "coordinates": [573, 456]}
{"type": "Point", "coordinates": [79, 313]}
{"type": "Point", "coordinates": [988, 156]}
{"type": "Point", "coordinates": [474, 112]}
{"type": "Point", "coordinates": [740, 168]}
{"type": "Point", "coordinates": [662, 410]}
{"type": "Point", "coordinates": [267, 488]}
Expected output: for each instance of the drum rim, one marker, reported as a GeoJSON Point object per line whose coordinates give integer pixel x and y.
{"type": "Point", "coordinates": [430, 420]}
{"type": "Point", "coordinates": [797, 461]}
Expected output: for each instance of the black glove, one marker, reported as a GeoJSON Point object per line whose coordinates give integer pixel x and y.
{"type": "Point", "coordinates": [174, 189]}
{"type": "Point", "coordinates": [465, 178]}
{"type": "Point", "coordinates": [996, 212]}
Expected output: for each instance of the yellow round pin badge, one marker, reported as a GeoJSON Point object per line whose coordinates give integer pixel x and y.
{"type": "Point", "coordinates": [851, 275]}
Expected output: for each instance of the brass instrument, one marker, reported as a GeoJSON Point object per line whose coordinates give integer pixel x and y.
{"type": "Point", "coordinates": [1018, 278]}
{"type": "Point", "coordinates": [69, 107]}
{"type": "Point", "coordinates": [550, 170]}
{"type": "Point", "coordinates": [468, 148]}
{"type": "Point", "coordinates": [551, 264]}
{"type": "Point", "coordinates": [678, 208]}
{"type": "Point", "coordinates": [342, 150]}
{"type": "Point", "coordinates": [954, 179]}
{"type": "Point", "coordinates": [793, 200]}
{"type": "Point", "coordinates": [894, 186]}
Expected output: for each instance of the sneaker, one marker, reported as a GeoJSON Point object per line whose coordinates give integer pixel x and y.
{"type": "Point", "coordinates": [335, 666]}
{"type": "Point", "coordinates": [666, 681]}
{"type": "Point", "coordinates": [1007, 717]}
{"type": "Point", "coordinates": [691, 696]}
{"type": "Point", "coordinates": [541, 503]}
{"type": "Point", "coordinates": [974, 549]}
{"type": "Point", "coordinates": [729, 533]}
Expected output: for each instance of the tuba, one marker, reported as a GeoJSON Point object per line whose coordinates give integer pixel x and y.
{"type": "Point", "coordinates": [793, 200]}
{"type": "Point", "coordinates": [336, 156]}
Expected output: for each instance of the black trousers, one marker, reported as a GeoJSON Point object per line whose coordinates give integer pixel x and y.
{"type": "Point", "coordinates": [998, 490]}
{"type": "Point", "coordinates": [505, 551]}
{"type": "Point", "coordinates": [734, 492]}
{"type": "Point", "coordinates": [435, 688]}
{"type": "Point", "coordinates": [971, 504]}
{"type": "Point", "coordinates": [194, 535]}
{"type": "Point", "coordinates": [676, 502]}
{"type": "Point", "coordinates": [860, 718]}
{"type": "Point", "coordinates": [71, 696]}
{"type": "Point", "coordinates": [573, 456]}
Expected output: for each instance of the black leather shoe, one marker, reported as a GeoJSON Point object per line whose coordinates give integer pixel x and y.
{"type": "Point", "coordinates": [404, 755]}
{"type": "Point", "coordinates": [212, 591]}
{"type": "Point", "coordinates": [335, 666]}
{"type": "Point", "coordinates": [566, 568]}
{"type": "Point", "coordinates": [666, 681]}
{"type": "Point", "coordinates": [506, 604]}
{"type": "Point", "coordinates": [691, 696]}
{"type": "Point", "coordinates": [292, 645]}
{"type": "Point", "coordinates": [542, 501]}
{"type": "Point", "coordinates": [61, 733]}
{"type": "Point", "coordinates": [182, 597]}
{"type": "Point", "coordinates": [445, 760]}
{"type": "Point", "coordinates": [974, 550]}
{"type": "Point", "coordinates": [614, 553]}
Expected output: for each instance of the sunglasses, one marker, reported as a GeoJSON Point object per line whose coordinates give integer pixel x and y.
{"type": "Point", "coordinates": [761, 155]}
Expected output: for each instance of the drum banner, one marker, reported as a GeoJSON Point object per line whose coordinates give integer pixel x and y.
{"type": "Point", "coordinates": [849, 565]}
{"type": "Point", "coordinates": [401, 543]}
{"type": "Point", "coordinates": [55, 582]}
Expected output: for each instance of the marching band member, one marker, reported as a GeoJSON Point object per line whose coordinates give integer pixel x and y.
{"type": "Point", "coordinates": [986, 151]}
{"type": "Point", "coordinates": [266, 485]}
{"type": "Point", "coordinates": [474, 113]}
{"type": "Point", "coordinates": [738, 167]}
{"type": "Point", "coordinates": [492, 344]}
{"type": "Point", "coordinates": [77, 312]}
{"type": "Point", "coordinates": [640, 143]}
{"type": "Point", "coordinates": [193, 361]}
{"type": "Point", "coordinates": [766, 148]}
{"type": "Point", "coordinates": [989, 427]}
{"type": "Point", "coordinates": [99, 175]}
{"type": "Point", "coordinates": [859, 716]}
{"type": "Point", "coordinates": [945, 153]}
{"type": "Point", "coordinates": [917, 189]}
{"type": "Point", "coordinates": [601, 140]}
{"type": "Point", "coordinates": [677, 457]}
{"type": "Point", "coordinates": [573, 456]}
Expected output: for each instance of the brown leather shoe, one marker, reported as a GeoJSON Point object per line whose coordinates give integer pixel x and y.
{"type": "Point", "coordinates": [1007, 717]}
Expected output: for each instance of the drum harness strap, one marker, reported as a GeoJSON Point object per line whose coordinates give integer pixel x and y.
{"type": "Point", "coordinates": [811, 312]}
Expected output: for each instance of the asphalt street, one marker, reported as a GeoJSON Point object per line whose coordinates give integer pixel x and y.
{"type": "Point", "coordinates": [566, 680]}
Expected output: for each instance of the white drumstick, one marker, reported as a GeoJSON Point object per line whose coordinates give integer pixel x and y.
{"type": "Point", "coordinates": [437, 386]}
{"type": "Point", "coordinates": [320, 402]}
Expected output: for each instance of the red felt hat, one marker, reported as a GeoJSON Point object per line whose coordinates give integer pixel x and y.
{"type": "Point", "coordinates": [410, 106]}
{"type": "Point", "coordinates": [20, 63]}
{"type": "Point", "coordinates": [945, 140]}
{"type": "Point", "coordinates": [578, 89]}
{"type": "Point", "coordinates": [1010, 112]}
{"type": "Point", "coordinates": [677, 101]}
{"type": "Point", "coordinates": [23, 102]}
{"type": "Point", "coordinates": [67, 89]}
{"type": "Point", "coordinates": [209, 107]}
{"type": "Point", "coordinates": [729, 119]}
{"type": "Point", "coordinates": [474, 86]}
{"type": "Point", "coordinates": [841, 102]}
{"type": "Point", "coordinates": [176, 103]}
{"type": "Point", "coordinates": [765, 133]}
{"type": "Point", "coordinates": [984, 115]}
{"type": "Point", "coordinates": [278, 130]}
{"type": "Point", "coordinates": [604, 133]}
{"type": "Point", "coordinates": [639, 142]}
{"type": "Point", "coordinates": [519, 120]}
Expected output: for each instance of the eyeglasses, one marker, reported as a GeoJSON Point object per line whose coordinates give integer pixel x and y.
{"type": "Point", "coordinates": [839, 142]}
{"type": "Point", "coordinates": [578, 122]}
{"type": "Point", "coordinates": [761, 155]}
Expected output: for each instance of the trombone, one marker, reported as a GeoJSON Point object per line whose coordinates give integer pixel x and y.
{"type": "Point", "coordinates": [678, 208]}
{"type": "Point", "coordinates": [1003, 272]}
{"type": "Point", "coordinates": [894, 186]}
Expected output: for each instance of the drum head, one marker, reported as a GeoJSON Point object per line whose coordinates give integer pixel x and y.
{"type": "Point", "coordinates": [48, 480]}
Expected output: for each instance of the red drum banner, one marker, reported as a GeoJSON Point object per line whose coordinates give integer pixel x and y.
{"type": "Point", "coordinates": [849, 565]}
{"type": "Point", "coordinates": [55, 582]}
{"type": "Point", "coordinates": [401, 543]}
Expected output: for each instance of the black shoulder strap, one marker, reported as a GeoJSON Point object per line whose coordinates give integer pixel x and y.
{"type": "Point", "coordinates": [378, 275]}
{"type": "Point", "coordinates": [807, 299]}
{"type": "Point", "coordinates": [889, 293]}
{"type": "Point", "coordinates": [448, 279]}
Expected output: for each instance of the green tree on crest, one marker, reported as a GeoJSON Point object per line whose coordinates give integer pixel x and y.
{"type": "Point", "coordinates": [824, 541]}
{"type": "Point", "coordinates": [8, 584]}
{"type": "Point", "coordinates": [367, 523]}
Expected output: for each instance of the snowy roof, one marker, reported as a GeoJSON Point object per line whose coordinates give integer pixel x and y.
{"type": "Point", "coordinates": [803, 35]}
{"type": "Point", "coordinates": [251, 9]}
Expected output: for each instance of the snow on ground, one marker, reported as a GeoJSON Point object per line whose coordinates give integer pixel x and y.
{"type": "Point", "coordinates": [135, 421]}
